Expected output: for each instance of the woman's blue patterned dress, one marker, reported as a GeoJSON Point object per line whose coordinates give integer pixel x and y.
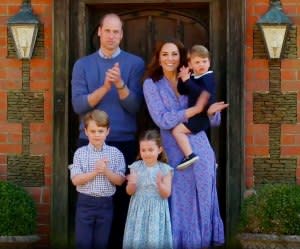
{"type": "Point", "coordinates": [148, 223]}
{"type": "Point", "coordinates": [195, 216]}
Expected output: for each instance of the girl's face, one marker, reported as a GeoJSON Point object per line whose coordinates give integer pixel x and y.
{"type": "Point", "coordinates": [96, 134]}
{"type": "Point", "coordinates": [149, 152]}
{"type": "Point", "coordinates": [169, 57]}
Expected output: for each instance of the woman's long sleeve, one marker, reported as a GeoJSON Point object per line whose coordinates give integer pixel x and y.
{"type": "Point", "coordinates": [163, 116]}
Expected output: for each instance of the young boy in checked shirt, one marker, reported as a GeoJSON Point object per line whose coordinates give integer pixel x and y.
{"type": "Point", "coordinates": [96, 170]}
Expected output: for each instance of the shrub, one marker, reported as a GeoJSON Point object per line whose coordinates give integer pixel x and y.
{"type": "Point", "coordinates": [273, 209]}
{"type": "Point", "coordinates": [17, 211]}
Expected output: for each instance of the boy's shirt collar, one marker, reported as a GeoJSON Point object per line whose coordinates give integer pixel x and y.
{"type": "Point", "coordinates": [93, 148]}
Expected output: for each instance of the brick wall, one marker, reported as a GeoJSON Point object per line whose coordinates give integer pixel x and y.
{"type": "Point", "coordinates": [272, 128]}
{"type": "Point", "coordinates": [26, 112]}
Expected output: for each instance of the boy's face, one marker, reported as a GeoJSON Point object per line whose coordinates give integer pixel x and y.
{"type": "Point", "coordinates": [96, 134]}
{"type": "Point", "coordinates": [199, 65]}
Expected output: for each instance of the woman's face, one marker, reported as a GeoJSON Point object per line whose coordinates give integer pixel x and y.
{"type": "Point", "coordinates": [169, 57]}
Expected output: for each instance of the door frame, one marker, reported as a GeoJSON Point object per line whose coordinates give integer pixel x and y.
{"type": "Point", "coordinates": [227, 46]}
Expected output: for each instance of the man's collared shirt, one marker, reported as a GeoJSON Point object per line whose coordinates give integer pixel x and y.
{"type": "Point", "coordinates": [84, 161]}
{"type": "Point", "coordinates": [114, 55]}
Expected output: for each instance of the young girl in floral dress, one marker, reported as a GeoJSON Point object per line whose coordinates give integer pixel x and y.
{"type": "Point", "coordinates": [148, 223]}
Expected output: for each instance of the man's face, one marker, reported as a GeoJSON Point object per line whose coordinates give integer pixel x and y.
{"type": "Point", "coordinates": [110, 33]}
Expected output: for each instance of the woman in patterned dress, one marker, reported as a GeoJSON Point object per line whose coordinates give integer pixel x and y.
{"type": "Point", "coordinates": [148, 224]}
{"type": "Point", "coordinates": [195, 217]}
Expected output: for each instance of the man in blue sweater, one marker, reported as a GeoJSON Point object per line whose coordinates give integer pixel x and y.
{"type": "Point", "coordinates": [110, 80]}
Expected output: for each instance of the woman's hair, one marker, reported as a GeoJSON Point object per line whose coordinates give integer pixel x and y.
{"type": "Point", "coordinates": [154, 70]}
{"type": "Point", "coordinates": [153, 135]}
{"type": "Point", "coordinates": [100, 117]}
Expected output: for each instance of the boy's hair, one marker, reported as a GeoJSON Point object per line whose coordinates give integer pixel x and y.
{"type": "Point", "coordinates": [153, 135]}
{"type": "Point", "coordinates": [199, 50]}
{"type": "Point", "coordinates": [100, 117]}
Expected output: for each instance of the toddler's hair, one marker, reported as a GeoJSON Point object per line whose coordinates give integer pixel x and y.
{"type": "Point", "coordinates": [153, 135]}
{"type": "Point", "coordinates": [199, 50]}
{"type": "Point", "coordinates": [100, 117]}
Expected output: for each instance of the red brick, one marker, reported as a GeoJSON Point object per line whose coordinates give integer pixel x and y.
{"type": "Point", "coordinates": [48, 181]}
{"type": "Point", "coordinates": [43, 208]}
{"type": "Point", "coordinates": [43, 229]}
{"type": "Point", "coordinates": [35, 192]}
{"type": "Point", "coordinates": [45, 195]}
{"type": "Point", "coordinates": [3, 138]}
{"type": "Point", "coordinates": [290, 86]}
{"type": "Point", "coordinates": [3, 10]}
{"type": "Point", "coordinates": [261, 9]}
{"type": "Point", "coordinates": [11, 2]}
{"type": "Point", "coordinates": [43, 219]}
{"type": "Point", "coordinates": [3, 170]}
{"type": "Point", "coordinates": [296, 139]}
{"type": "Point", "coordinates": [287, 74]}
{"type": "Point", "coordinates": [257, 150]}
{"type": "Point", "coordinates": [287, 139]}
{"type": "Point", "coordinates": [290, 64]}
{"type": "Point", "coordinates": [40, 138]}
{"type": "Point", "coordinates": [249, 182]}
{"type": "Point", "coordinates": [37, 149]}
{"type": "Point", "coordinates": [13, 9]}
{"type": "Point", "coordinates": [10, 127]}
{"type": "Point", "coordinates": [11, 148]}
{"type": "Point", "coordinates": [3, 159]}
{"type": "Point", "coordinates": [39, 127]}
{"type": "Point", "coordinates": [290, 151]}
{"type": "Point", "coordinates": [290, 9]}
{"type": "Point", "coordinates": [290, 129]}
{"type": "Point", "coordinates": [261, 139]}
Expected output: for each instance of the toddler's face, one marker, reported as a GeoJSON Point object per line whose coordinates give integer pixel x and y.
{"type": "Point", "coordinates": [199, 65]}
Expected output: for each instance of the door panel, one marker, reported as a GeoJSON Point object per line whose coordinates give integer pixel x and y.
{"type": "Point", "coordinates": [143, 27]}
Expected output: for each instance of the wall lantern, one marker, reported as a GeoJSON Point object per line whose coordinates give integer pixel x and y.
{"type": "Point", "coordinates": [24, 27]}
{"type": "Point", "coordinates": [274, 25]}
